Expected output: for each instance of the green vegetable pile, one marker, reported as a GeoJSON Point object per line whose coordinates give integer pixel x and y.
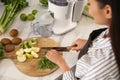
{"type": "Point", "coordinates": [44, 63]}
{"type": "Point", "coordinates": [12, 7]}
{"type": "Point", "coordinates": [44, 2]}
{"type": "Point", "coordinates": [1, 50]}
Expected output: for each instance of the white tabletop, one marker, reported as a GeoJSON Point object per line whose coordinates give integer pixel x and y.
{"type": "Point", "coordinates": [8, 70]}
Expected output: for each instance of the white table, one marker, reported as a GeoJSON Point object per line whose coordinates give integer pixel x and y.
{"type": "Point", "coordinates": [8, 70]}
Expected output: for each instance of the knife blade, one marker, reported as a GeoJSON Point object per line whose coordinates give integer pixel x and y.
{"type": "Point", "coordinates": [57, 48]}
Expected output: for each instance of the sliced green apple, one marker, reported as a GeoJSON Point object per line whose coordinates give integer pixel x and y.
{"type": "Point", "coordinates": [36, 49]}
{"type": "Point", "coordinates": [35, 55]}
{"type": "Point", "coordinates": [21, 58]}
{"type": "Point", "coordinates": [20, 52]}
{"type": "Point", "coordinates": [29, 56]}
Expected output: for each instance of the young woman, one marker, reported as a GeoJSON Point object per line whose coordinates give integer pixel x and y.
{"type": "Point", "coordinates": [102, 61]}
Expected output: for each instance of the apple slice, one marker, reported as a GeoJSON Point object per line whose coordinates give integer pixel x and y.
{"type": "Point", "coordinates": [29, 56]}
{"type": "Point", "coordinates": [21, 58]}
{"type": "Point", "coordinates": [35, 55]}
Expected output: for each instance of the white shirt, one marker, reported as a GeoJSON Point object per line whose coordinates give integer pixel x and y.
{"type": "Point", "coordinates": [98, 64]}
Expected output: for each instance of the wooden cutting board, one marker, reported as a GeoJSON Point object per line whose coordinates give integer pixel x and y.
{"type": "Point", "coordinates": [30, 66]}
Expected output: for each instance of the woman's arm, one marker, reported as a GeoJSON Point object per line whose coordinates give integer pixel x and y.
{"type": "Point", "coordinates": [57, 58]}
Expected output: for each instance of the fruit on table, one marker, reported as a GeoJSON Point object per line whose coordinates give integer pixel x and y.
{"type": "Point", "coordinates": [13, 33]}
{"type": "Point", "coordinates": [34, 11]}
{"type": "Point", "coordinates": [5, 41]}
{"type": "Point", "coordinates": [23, 17]}
{"type": "Point", "coordinates": [31, 17]}
{"type": "Point", "coordinates": [16, 40]}
{"type": "Point", "coordinates": [9, 47]}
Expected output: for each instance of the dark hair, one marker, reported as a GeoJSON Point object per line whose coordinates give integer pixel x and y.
{"type": "Point", "coordinates": [115, 26]}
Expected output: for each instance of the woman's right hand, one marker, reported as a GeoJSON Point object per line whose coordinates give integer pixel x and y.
{"type": "Point", "coordinates": [78, 44]}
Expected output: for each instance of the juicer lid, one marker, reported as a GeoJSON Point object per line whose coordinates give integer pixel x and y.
{"type": "Point", "coordinates": [59, 2]}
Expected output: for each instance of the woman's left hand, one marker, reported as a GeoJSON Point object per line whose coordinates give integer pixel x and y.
{"type": "Point", "coordinates": [57, 58]}
{"type": "Point", "coordinates": [54, 56]}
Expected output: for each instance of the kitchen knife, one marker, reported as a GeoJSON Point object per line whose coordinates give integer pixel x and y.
{"type": "Point", "coordinates": [68, 48]}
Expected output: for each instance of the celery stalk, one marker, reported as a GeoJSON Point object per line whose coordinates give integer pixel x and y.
{"type": "Point", "coordinates": [12, 7]}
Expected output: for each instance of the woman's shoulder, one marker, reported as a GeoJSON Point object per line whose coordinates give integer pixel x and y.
{"type": "Point", "coordinates": [96, 33]}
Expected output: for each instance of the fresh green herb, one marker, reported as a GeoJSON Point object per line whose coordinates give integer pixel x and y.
{"type": "Point", "coordinates": [44, 63]}
{"type": "Point", "coordinates": [12, 7]}
{"type": "Point", "coordinates": [44, 2]}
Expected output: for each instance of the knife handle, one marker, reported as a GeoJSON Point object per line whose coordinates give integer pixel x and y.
{"type": "Point", "coordinates": [70, 47]}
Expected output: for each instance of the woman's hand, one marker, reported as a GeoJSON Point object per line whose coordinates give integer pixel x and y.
{"type": "Point", "coordinates": [57, 58]}
{"type": "Point", "coordinates": [54, 56]}
{"type": "Point", "coordinates": [78, 44]}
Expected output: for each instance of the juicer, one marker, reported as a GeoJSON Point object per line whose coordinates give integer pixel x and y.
{"type": "Point", "coordinates": [66, 14]}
